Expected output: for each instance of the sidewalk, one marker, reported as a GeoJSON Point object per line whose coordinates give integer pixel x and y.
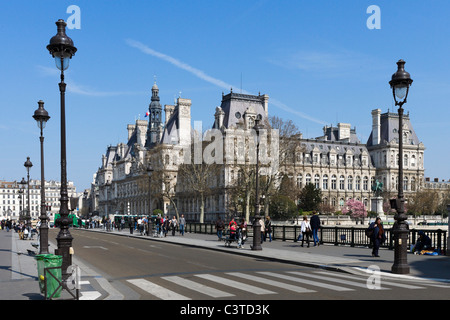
{"type": "Point", "coordinates": [19, 276]}
{"type": "Point", "coordinates": [342, 258]}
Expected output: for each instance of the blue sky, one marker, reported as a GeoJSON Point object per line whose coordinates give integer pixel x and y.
{"type": "Point", "coordinates": [317, 60]}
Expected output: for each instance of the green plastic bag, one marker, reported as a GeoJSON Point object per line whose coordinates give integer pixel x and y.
{"type": "Point", "coordinates": [49, 261]}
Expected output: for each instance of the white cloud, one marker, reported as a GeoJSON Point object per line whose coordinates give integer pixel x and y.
{"type": "Point", "coordinates": [202, 75]}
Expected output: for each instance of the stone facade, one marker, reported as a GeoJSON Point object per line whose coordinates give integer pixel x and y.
{"type": "Point", "coordinates": [143, 174]}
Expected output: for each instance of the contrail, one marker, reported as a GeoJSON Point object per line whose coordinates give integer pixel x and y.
{"type": "Point", "coordinates": [202, 75]}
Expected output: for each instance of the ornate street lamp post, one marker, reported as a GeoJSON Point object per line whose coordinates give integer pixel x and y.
{"type": "Point", "coordinates": [41, 116]}
{"type": "Point", "coordinates": [400, 84]}
{"type": "Point", "coordinates": [28, 165]}
{"type": "Point", "coordinates": [62, 49]}
{"type": "Point", "coordinates": [256, 224]}
{"type": "Point", "coordinates": [22, 191]}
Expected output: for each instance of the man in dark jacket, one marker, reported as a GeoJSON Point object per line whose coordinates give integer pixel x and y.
{"type": "Point", "coordinates": [315, 226]}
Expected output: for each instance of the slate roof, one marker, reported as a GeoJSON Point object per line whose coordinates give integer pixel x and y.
{"type": "Point", "coordinates": [389, 130]}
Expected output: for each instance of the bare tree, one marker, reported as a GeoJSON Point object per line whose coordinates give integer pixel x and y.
{"type": "Point", "coordinates": [199, 177]}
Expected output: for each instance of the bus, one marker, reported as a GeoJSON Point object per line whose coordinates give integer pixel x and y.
{"type": "Point", "coordinates": [73, 220]}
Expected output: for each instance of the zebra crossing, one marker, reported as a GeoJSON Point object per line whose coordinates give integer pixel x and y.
{"type": "Point", "coordinates": [258, 283]}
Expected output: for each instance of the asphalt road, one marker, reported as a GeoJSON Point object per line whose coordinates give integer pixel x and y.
{"type": "Point", "coordinates": [151, 270]}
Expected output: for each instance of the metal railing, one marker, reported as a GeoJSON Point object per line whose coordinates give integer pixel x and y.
{"type": "Point", "coordinates": [350, 236]}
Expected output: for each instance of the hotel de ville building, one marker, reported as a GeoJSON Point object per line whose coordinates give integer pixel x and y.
{"type": "Point", "coordinates": [142, 174]}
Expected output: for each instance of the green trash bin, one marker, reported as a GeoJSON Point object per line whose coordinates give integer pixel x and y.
{"type": "Point", "coordinates": [48, 261]}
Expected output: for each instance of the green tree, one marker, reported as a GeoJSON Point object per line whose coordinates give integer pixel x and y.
{"type": "Point", "coordinates": [282, 208]}
{"type": "Point", "coordinates": [310, 198]}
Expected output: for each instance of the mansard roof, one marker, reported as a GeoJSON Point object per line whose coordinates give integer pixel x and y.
{"type": "Point", "coordinates": [235, 105]}
{"type": "Point", "coordinates": [389, 130]}
{"type": "Point", "coordinates": [170, 133]}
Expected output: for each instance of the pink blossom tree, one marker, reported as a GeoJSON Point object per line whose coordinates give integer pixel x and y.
{"type": "Point", "coordinates": [355, 209]}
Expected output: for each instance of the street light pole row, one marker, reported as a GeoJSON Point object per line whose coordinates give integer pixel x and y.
{"type": "Point", "coordinates": [62, 49]}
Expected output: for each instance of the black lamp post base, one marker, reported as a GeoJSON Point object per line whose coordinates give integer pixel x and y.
{"type": "Point", "coordinates": [256, 237]}
{"type": "Point", "coordinates": [400, 265]}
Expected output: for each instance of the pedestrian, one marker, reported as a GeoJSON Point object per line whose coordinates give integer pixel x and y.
{"type": "Point", "coordinates": [305, 228]}
{"type": "Point", "coordinates": [268, 231]}
{"type": "Point", "coordinates": [315, 227]}
{"type": "Point", "coordinates": [139, 225]}
{"type": "Point", "coordinates": [263, 229]}
{"type": "Point", "coordinates": [166, 225]}
{"type": "Point", "coordinates": [242, 233]}
{"type": "Point", "coordinates": [182, 224]}
{"type": "Point", "coordinates": [21, 229]}
{"type": "Point", "coordinates": [131, 225]}
{"type": "Point", "coordinates": [173, 225]}
{"type": "Point", "coordinates": [378, 236]}
{"type": "Point", "coordinates": [232, 226]}
{"type": "Point", "coordinates": [219, 228]}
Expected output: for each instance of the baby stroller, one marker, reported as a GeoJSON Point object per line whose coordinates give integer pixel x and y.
{"type": "Point", "coordinates": [238, 235]}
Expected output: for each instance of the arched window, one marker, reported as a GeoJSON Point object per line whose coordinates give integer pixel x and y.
{"type": "Point", "coordinates": [366, 183]}
{"type": "Point", "coordinates": [317, 181]}
{"type": "Point", "coordinates": [358, 183]}
{"type": "Point", "coordinates": [325, 182]}
{"type": "Point", "coordinates": [300, 180]}
{"type": "Point", "coordinates": [350, 182]}
{"type": "Point", "coordinates": [333, 182]}
{"type": "Point", "coordinates": [341, 183]}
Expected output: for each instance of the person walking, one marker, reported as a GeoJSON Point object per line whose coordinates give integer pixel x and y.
{"type": "Point", "coordinates": [220, 225]}
{"type": "Point", "coordinates": [268, 231]}
{"type": "Point", "coordinates": [315, 227]}
{"type": "Point", "coordinates": [242, 233]}
{"type": "Point", "coordinates": [166, 225]}
{"type": "Point", "coordinates": [182, 224]}
{"type": "Point", "coordinates": [378, 235]}
{"type": "Point", "coordinates": [305, 228]}
{"type": "Point", "coordinates": [131, 225]}
{"type": "Point", "coordinates": [263, 229]}
{"type": "Point", "coordinates": [173, 225]}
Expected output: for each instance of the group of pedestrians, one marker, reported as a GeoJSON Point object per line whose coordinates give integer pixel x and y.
{"type": "Point", "coordinates": [309, 229]}
{"type": "Point", "coordinates": [164, 225]}
{"type": "Point", "coordinates": [24, 230]}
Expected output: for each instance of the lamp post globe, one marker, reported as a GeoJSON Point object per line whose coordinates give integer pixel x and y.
{"type": "Point", "coordinates": [61, 46]}
{"type": "Point", "coordinates": [400, 83]}
{"type": "Point", "coordinates": [41, 115]}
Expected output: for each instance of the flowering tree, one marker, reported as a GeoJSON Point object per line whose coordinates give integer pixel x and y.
{"type": "Point", "coordinates": [355, 209]}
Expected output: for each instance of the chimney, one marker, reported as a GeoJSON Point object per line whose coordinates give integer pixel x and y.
{"type": "Point", "coordinates": [130, 129]}
{"type": "Point", "coordinates": [343, 131]}
{"type": "Point", "coordinates": [168, 109]}
{"type": "Point", "coordinates": [266, 104]}
{"type": "Point", "coordinates": [376, 126]}
{"type": "Point", "coordinates": [141, 131]}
